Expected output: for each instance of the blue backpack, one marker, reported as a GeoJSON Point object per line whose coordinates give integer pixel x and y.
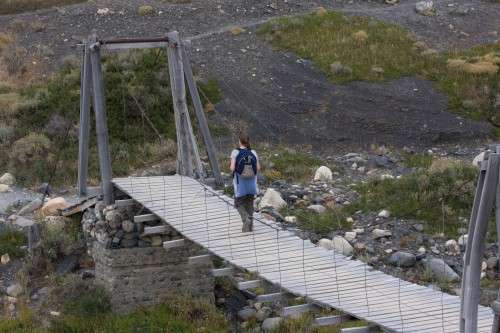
{"type": "Point", "coordinates": [246, 164]}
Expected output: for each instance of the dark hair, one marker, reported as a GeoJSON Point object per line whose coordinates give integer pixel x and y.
{"type": "Point", "coordinates": [244, 139]}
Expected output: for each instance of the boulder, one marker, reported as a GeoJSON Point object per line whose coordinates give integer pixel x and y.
{"type": "Point", "coordinates": [7, 179]}
{"type": "Point", "coordinates": [379, 233]}
{"type": "Point", "coordinates": [50, 208]}
{"type": "Point", "coordinates": [21, 221]}
{"type": "Point", "coordinates": [270, 324]}
{"type": "Point", "coordinates": [441, 271]}
{"type": "Point", "coordinates": [31, 207]}
{"type": "Point", "coordinates": [342, 245]}
{"type": "Point", "coordinates": [323, 174]}
{"type": "Point", "coordinates": [325, 243]}
{"type": "Point", "coordinates": [272, 199]}
{"type": "Point", "coordinates": [5, 188]}
{"type": "Point", "coordinates": [402, 259]}
{"type": "Point", "coordinates": [14, 290]}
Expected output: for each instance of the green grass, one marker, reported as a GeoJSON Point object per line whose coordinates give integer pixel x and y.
{"type": "Point", "coordinates": [439, 195]}
{"type": "Point", "coordinates": [181, 315]}
{"type": "Point", "coordinates": [20, 6]}
{"type": "Point", "coordinates": [11, 241]}
{"type": "Point", "coordinates": [138, 94]}
{"type": "Point", "coordinates": [361, 44]}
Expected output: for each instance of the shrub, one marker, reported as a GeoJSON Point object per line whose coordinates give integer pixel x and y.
{"type": "Point", "coordinates": [29, 149]}
{"type": "Point", "coordinates": [6, 87]}
{"type": "Point", "coordinates": [14, 60]}
{"type": "Point", "coordinates": [360, 35]}
{"type": "Point", "coordinates": [9, 103]}
{"type": "Point", "coordinates": [5, 41]}
{"type": "Point", "coordinates": [11, 241]}
{"type": "Point", "coordinates": [320, 11]}
{"type": "Point", "coordinates": [5, 133]}
{"type": "Point", "coordinates": [17, 25]}
{"type": "Point", "coordinates": [236, 31]}
{"type": "Point", "coordinates": [37, 26]}
{"type": "Point", "coordinates": [145, 10]}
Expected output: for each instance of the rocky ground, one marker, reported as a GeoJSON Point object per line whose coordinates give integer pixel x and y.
{"type": "Point", "coordinates": [279, 98]}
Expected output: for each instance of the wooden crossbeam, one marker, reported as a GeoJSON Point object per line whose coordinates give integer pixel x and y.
{"type": "Point", "coordinates": [174, 243]}
{"type": "Point", "coordinates": [157, 229]}
{"type": "Point", "coordinates": [203, 259]}
{"type": "Point", "coordinates": [125, 202]}
{"type": "Point", "coordinates": [291, 310]}
{"type": "Point", "coordinates": [224, 271]}
{"type": "Point", "coordinates": [364, 329]}
{"type": "Point", "coordinates": [249, 284]}
{"type": "Point", "coordinates": [332, 320]}
{"type": "Point", "coordinates": [145, 218]}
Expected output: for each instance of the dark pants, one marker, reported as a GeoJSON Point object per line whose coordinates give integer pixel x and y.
{"type": "Point", "coordinates": [244, 205]}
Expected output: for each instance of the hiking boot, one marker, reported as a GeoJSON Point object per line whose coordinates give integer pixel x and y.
{"type": "Point", "coordinates": [247, 226]}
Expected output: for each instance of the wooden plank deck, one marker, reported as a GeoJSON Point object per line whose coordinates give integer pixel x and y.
{"type": "Point", "coordinates": [323, 277]}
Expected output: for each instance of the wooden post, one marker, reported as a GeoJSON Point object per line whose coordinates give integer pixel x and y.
{"type": "Point", "coordinates": [101, 122]}
{"type": "Point", "coordinates": [472, 283]}
{"type": "Point", "coordinates": [84, 121]}
{"type": "Point", "coordinates": [195, 98]}
{"type": "Point", "coordinates": [180, 107]}
{"type": "Point", "coordinates": [472, 225]}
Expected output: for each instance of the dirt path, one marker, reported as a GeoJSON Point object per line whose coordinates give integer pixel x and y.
{"type": "Point", "coordinates": [283, 99]}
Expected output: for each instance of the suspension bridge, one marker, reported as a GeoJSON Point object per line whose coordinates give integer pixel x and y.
{"type": "Point", "coordinates": [324, 279]}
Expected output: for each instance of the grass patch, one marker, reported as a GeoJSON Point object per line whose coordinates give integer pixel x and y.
{"type": "Point", "coordinates": [439, 195]}
{"type": "Point", "coordinates": [348, 48]}
{"type": "Point", "coordinates": [183, 315]}
{"type": "Point", "coordinates": [287, 163]}
{"type": "Point", "coordinates": [11, 241]}
{"type": "Point", "coordinates": [21, 6]}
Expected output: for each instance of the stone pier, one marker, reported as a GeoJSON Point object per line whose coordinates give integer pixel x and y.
{"type": "Point", "coordinates": [148, 275]}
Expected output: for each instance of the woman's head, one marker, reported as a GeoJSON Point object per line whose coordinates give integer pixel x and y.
{"type": "Point", "coordinates": [244, 139]}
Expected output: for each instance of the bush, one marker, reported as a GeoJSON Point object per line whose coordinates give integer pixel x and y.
{"type": "Point", "coordinates": [33, 147]}
{"type": "Point", "coordinates": [11, 241]}
{"type": "Point", "coordinates": [5, 133]}
{"type": "Point", "coordinates": [9, 103]}
{"type": "Point", "coordinates": [145, 10]}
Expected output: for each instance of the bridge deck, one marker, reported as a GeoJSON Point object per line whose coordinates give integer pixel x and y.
{"type": "Point", "coordinates": [278, 256]}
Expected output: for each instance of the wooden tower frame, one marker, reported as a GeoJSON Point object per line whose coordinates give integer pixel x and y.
{"type": "Point", "coordinates": [92, 83]}
{"type": "Point", "coordinates": [487, 194]}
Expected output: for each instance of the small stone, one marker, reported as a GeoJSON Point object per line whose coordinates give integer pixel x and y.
{"type": "Point", "coordinates": [384, 213]}
{"type": "Point", "coordinates": [5, 258]}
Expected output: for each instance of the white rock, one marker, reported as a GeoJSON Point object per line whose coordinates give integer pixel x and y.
{"type": "Point", "coordinates": [484, 265]}
{"type": "Point", "coordinates": [325, 243]}
{"type": "Point", "coordinates": [323, 174]}
{"type": "Point", "coordinates": [350, 220]}
{"type": "Point", "coordinates": [7, 179]}
{"type": "Point", "coordinates": [421, 250]}
{"type": "Point", "coordinates": [359, 231]}
{"type": "Point", "coordinates": [379, 233]}
{"type": "Point", "coordinates": [12, 300]}
{"type": "Point", "coordinates": [128, 225]}
{"type": "Point", "coordinates": [5, 188]}
{"type": "Point", "coordinates": [291, 219]}
{"type": "Point", "coordinates": [388, 251]}
{"type": "Point", "coordinates": [350, 236]}
{"type": "Point", "coordinates": [384, 213]}
{"type": "Point", "coordinates": [425, 7]}
{"type": "Point", "coordinates": [272, 199]}
{"type": "Point", "coordinates": [452, 246]}
{"type": "Point", "coordinates": [55, 313]}
{"type": "Point", "coordinates": [103, 11]}
{"type": "Point", "coordinates": [386, 176]}
{"type": "Point", "coordinates": [462, 240]}
{"type": "Point", "coordinates": [342, 245]}
{"type": "Point", "coordinates": [477, 159]}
